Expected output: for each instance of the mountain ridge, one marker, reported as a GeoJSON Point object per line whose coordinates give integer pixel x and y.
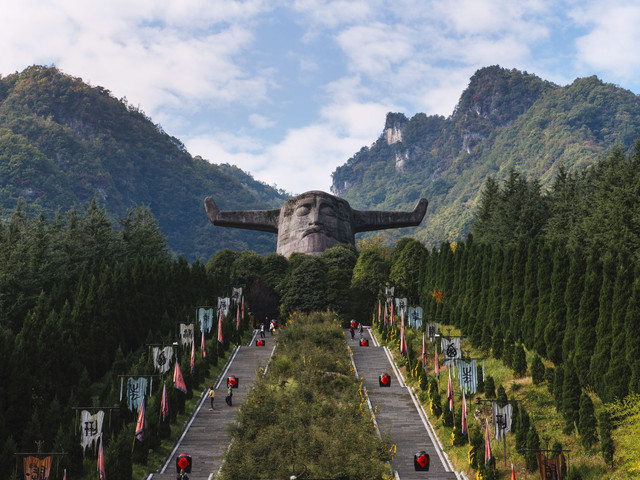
{"type": "Point", "coordinates": [504, 119]}
{"type": "Point", "coordinates": [63, 142]}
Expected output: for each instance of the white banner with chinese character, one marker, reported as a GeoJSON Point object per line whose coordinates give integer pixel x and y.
{"type": "Point", "coordinates": [415, 317]}
{"type": "Point", "coordinates": [90, 428]}
{"type": "Point", "coordinates": [223, 304]}
{"type": "Point", "coordinates": [236, 295]}
{"type": "Point", "coordinates": [468, 376]}
{"type": "Point", "coordinates": [162, 358]}
{"type": "Point", "coordinates": [205, 318]}
{"type": "Point", "coordinates": [432, 330]}
{"type": "Point", "coordinates": [186, 334]}
{"type": "Point", "coordinates": [501, 419]}
{"type": "Point", "coordinates": [136, 391]}
{"type": "Point", "coordinates": [401, 306]}
{"type": "Point", "coordinates": [451, 350]}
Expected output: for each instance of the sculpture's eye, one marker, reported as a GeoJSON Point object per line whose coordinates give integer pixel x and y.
{"type": "Point", "coordinates": [303, 210]}
{"type": "Point", "coordinates": [327, 211]}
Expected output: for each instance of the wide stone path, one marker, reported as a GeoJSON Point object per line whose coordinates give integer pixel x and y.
{"type": "Point", "coordinates": [398, 413]}
{"type": "Point", "coordinates": [205, 436]}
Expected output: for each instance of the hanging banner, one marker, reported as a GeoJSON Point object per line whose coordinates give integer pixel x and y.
{"type": "Point", "coordinates": [501, 419]}
{"type": "Point", "coordinates": [37, 468]}
{"type": "Point", "coordinates": [136, 391]}
{"type": "Point", "coordinates": [186, 334]}
{"type": "Point", "coordinates": [205, 318]}
{"type": "Point", "coordinates": [162, 358]}
{"type": "Point", "coordinates": [550, 468]}
{"type": "Point", "coordinates": [415, 317]}
{"type": "Point", "coordinates": [90, 428]}
{"type": "Point", "coordinates": [468, 376]}
{"type": "Point", "coordinates": [432, 330]}
{"type": "Point", "coordinates": [451, 350]}
{"type": "Point", "coordinates": [236, 295]}
{"type": "Point", "coordinates": [223, 305]}
{"type": "Point", "coordinates": [401, 306]}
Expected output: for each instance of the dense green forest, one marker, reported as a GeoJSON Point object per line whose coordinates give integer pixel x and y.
{"type": "Point", "coordinates": [64, 142]}
{"type": "Point", "coordinates": [504, 119]}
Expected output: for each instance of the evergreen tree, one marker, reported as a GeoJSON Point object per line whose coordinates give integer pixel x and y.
{"type": "Point", "coordinates": [530, 298]}
{"type": "Point", "coordinates": [117, 455]}
{"type": "Point", "coordinates": [545, 269]}
{"type": "Point", "coordinates": [516, 308]}
{"type": "Point", "coordinates": [617, 377]}
{"type": "Point", "coordinates": [497, 343]}
{"type": "Point", "coordinates": [570, 398]}
{"type": "Point", "coordinates": [632, 327]}
{"type": "Point", "coordinates": [558, 387]}
{"type": "Point", "coordinates": [587, 318]}
{"type": "Point", "coordinates": [501, 398]}
{"type": "Point", "coordinates": [523, 422]}
{"type": "Point", "coordinates": [489, 387]}
{"type": "Point", "coordinates": [537, 370]}
{"type": "Point", "coordinates": [507, 353]}
{"type": "Point", "coordinates": [606, 441]}
{"type": "Point", "coordinates": [587, 424]}
{"type": "Point", "coordinates": [602, 349]}
{"type": "Point", "coordinates": [533, 443]}
{"type": "Point", "coordinates": [555, 328]}
{"type": "Point", "coordinates": [572, 296]}
{"type": "Point", "coordinates": [519, 361]}
{"type": "Point", "coordinates": [506, 288]}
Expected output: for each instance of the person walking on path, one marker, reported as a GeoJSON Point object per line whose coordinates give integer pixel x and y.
{"type": "Point", "coordinates": [272, 327]}
{"type": "Point", "coordinates": [212, 394]}
{"type": "Point", "coordinates": [229, 395]}
{"type": "Point", "coordinates": [353, 332]}
{"type": "Point", "coordinates": [360, 330]}
{"type": "Point", "coordinates": [262, 331]}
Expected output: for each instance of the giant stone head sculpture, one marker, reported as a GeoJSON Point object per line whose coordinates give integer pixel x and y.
{"type": "Point", "coordinates": [314, 221]}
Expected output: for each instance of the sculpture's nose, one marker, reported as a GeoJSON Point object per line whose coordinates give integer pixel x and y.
{"type": "Point", "coordinates": [315, 216]}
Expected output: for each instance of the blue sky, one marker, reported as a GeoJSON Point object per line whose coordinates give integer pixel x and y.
{"type": "Point", "coordinates": [289, 90]}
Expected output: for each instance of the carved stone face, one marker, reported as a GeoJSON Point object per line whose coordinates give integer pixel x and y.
{"type": "Point", "coordinates": [312, 222]}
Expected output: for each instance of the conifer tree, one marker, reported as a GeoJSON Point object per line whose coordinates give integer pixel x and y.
{"type": "Point", "coordinates": [572, 295]}
{"type": "Point", "coordinates": [558, 387]}
{"type": "Point", "coordinates": [519, 361]}
{"type": "Point", "coordinates": [616, 381]}
{"type": "Point", "coordinates": [489, 387]}
{"type": "Point", "coordinates": [522, 420]}
{"type": "Point", "coordinates": [530, 299]}
{"type": "Point", "coordinates": [587, 424]}
{"type": "Point", "coordinates": [555, 328]}
{"type": "Point", "coordinates": [516, 308]}
{"type": "Point", "coordinates": [507, 353]}
{"type": "Point", "coordinates": [533, 443]}
{"type": "Point", "coordinates": [545, 268]}
{"type": "Point", "coordinates": [570, 397]}
{"type": "Point", "coordinates": [587, 318]}
{"type": "Point", "coordinates": [602, 350]}
{"type": "Point", "coordinates": [606, 441]}
{"type": "Point", "coordinates": [537, 370]}
{"type": "Point", "coordinates": [497, 343]}
{"type": "Point", "coordinates": [506, 288]}
{"type": "Point", "coordinates": [632, 327]}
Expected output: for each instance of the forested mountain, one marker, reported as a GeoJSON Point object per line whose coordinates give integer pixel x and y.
{"type": "Point", "coordinates": [63, 142]}
{"type": "Point", "coordinates": [504, 119]}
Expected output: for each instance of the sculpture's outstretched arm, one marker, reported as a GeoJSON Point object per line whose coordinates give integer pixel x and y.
{"type": "Point", "coordinates": [263, 220]}
{"type": "Point", "coordinates": [366, 221]}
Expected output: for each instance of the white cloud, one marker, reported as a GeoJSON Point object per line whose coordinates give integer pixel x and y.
{"type": "Point", "coordinates": [613, 42]}
{"type": "Point", "coordinates": [260, 121]}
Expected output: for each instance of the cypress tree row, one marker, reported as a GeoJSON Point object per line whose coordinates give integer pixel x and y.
{"type": "Point", "coordinates": [555, 328]}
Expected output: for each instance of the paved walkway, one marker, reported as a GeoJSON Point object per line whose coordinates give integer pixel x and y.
{"type": "Point", "coordinates": [399, 413]}
{"type": "Point", "coordinates": [205, 436]}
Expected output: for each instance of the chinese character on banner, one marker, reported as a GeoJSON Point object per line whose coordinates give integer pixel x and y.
{"type": "Point", "coordinates": [90, 428]}
{"type": "Point", "coordinates": [162, 358]}
{"type": "Point", "coordinates": [501, 419]}
{"type": "Point", "coordinates": [223, 305]}
{"type": "Point", "coordinates": [432, 331]}
{"type": "Point", "coordinates": [186, 333]}
{"type": "Point", "coordinates": [451, 350]}
{"type": "Point", "coordinates": [205, 317]}
{"type": "Point", "coordinates": [468, 375]}
{"type": "Point", "coordinates": [37, 468]}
